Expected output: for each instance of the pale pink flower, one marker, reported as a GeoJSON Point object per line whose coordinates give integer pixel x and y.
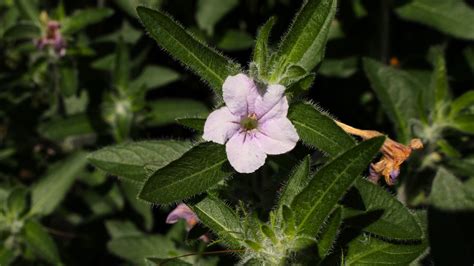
{"type": "Point", "coordinates": [252, 124]}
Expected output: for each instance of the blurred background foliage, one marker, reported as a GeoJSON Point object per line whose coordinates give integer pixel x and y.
{"type": "Point", "coordinates": [103, 81]}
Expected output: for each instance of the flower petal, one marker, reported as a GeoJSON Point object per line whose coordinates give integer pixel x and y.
{"type": "Point", "coordinates": [277, 136]}
{"type": "Point", "coordinates": [220, 125]}
{"type": "Point", "coordinates": [240, 93]}
{"type": "Point", "coordinates": [244, 154]}
{"type": "Point", "coordinates": [182, 211]}
{"type": "Point", "coordinates": [273, 104]}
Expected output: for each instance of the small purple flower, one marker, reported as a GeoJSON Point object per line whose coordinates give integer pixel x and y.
{"type": "Point", "coordinates": [182, 211]}
{"type": "Point", "coordinates": [53, 38]}
{"type": "Point", "coordinates": [252, 124]}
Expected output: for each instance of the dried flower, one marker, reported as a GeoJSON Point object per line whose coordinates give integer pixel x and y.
{"type": "Point", "coordinates": [252, 124]}
{"type": "Point", "coordinates": [394, 154]}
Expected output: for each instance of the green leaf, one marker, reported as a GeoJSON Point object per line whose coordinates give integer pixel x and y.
{"type": "Point", "coordinates": [207, 63]}
{"type": "Point", "coordinates": [193, 123]}
{"type": "Point", "coordinates": [464, 123]}
{"type": "Point", "coordinates": [339, 68]}
{"type": "Point", "coordinates": [329, 233]}
{"type": "Point", "coordinates": [368, 250]}
{"type": "Point", "coordinates": [119, 229]}
{"type": "Point", "coordinates": [316, 201]}
{"type": "Point", "coordinates": [105, 202]}
{"type": "Point", "coordinates": [128, 33]}
{"type": "Point", "coordinates": [83, 18]}
{"type": "Point", "coordinates": [136, 248]}
{"type": "Point", "coordinates": [439, 79]}
{"type": "Point", "coordinates": [130, 7]}
{"type": "Point", "coordinates": [469, 56]}
{"type": "Point", "coordinates": [306, 39]}
{"type": "Point", "coordinates": [449, 193]}
{"type": "Point", "coordinates": [452, 17]}
{"type": "Point", "coordinates": [68, 77]}
{"type": "Point", "coordinates": [22, 30]}
{"type": "Point", "coordinates": [131, 160]}
{"type": "Point", "coordinates": [17, 201]}
{"type": "Point", "coordinates": [398, 92]}
{"type": "Point", "coordinates": [462, 102]}
{"type": "Point", "coordinates": [318, 130]}
{"type": "Point", "coordinates": [392, 219]}
{"type": "Point", "coordinates": [131, 191]}
{"type": "Point", "coordinates": [41, 242]}
{"type": "Point", "coordinates": [209, 12]}
{"type": "Point", "coordinates": [296, 182]}
{"type": "Point", "coordinates": [50, 190]}
{"type": "Point", "coordinates": [261, 51]}
{"type": "Point", "coordinates": [61, 128]}
{"type": "Point", "coordinates": [220, 218]}
{"type": "Point", "coordinates": [7, 256]}
{"type": "Point", "coordinates": [235, 40]}
{"type": "Point", "coordinates": [104, 63]}
{"type": "Point", "coordinates": [168, 262]}
{"type": "Point", "coordinates": [122, 67]}
{"type": "Point", "coordinates": [461, 167]}
{"type": "Point", "coordinates": [196, 171]}
{"type": "Point", "coordinates": [29, 10]}
{"type": "Point", "coordinates": [166, 111]}
{"type": "Point", "coordinates": [153, 77]}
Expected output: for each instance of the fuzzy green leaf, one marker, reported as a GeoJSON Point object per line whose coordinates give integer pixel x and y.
{"type": "Point", "coordinates": [220, 218]}
{"type": "Point", "coordinates": [196, 171]}
{"type": "Point", "coordinates": [393, 220]}
{"type": "Point", "coordinates": [367, 250]}
{"type": "Point", "coordinates": [260, 51]}
{"type": "Point", "coordinates": [51, 189]}
{"type": "Point", "coordinates": [398, 92]}
{"type": "Point", "coordinates": [318, 130]}
{"type": "Point", "coordinates": [83, 18]}
{"type": "Point", "coordinates": [329, 233]}
{"type": "Point", "coordinates": [206, 62]}
{"type": "Point", "coordinates": [452, 17]}
{"type": "Point", "coordinates": [41, 242]}
{"type": "Point", "coordinates": [135, 160]}
{"type": "Point", "coordinates": [306, 39]}
{"type": "Point", "coordinates": [196, 124]}
{"type": "Point", "coordinates": [296, 182]}
{"type": "Point", "coordinates": [314, 204]}
{"type": "Point", "coordinates": [449, 193]}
